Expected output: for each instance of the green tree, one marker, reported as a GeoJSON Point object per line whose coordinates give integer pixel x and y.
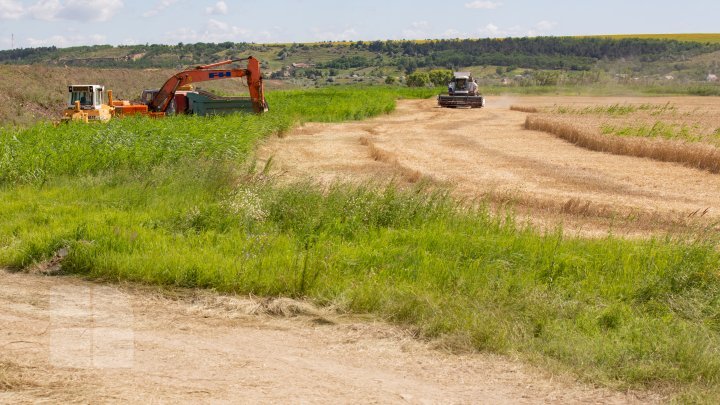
{"type": "Point", "coordinates": [390, 80]}
{"type": "Point", "coordinates": [440, 77]}
{"type": "Point", "coordinates": [418, 79]}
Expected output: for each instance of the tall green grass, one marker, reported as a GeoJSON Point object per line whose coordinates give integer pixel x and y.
{"type": "Point", "coordinates": [136, 144]}
{"type": "Point", "coordinates": [139, 144]}
{"type": "Point", "coordinates": [186, 208]}
{"type": "Point", "coordinates": [333, 104]}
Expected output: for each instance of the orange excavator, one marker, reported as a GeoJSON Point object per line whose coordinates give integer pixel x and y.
{"type": "Point", "coordinates": [175, 96]}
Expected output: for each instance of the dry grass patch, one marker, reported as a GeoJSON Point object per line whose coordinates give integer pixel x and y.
{"type": "Point", "coordinates": [574, 208]}
{"type": "Point", "coordinates": [11, 377]}
{"type": "Point", "coordinates": [696, 155]}
{"type": "Point", "coordinates": [380, 155]}
{"type": "Point", "coordinates": [525, 109]}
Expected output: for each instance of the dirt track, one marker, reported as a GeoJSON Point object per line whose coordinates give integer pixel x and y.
{"type": "Point", "coordinates": [66, 340]}
{"type": "Point", "coordinates": [487, 154]}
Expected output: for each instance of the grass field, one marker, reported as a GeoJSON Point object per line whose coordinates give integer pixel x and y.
{"type": "Point", "coordinates": [180, 202]}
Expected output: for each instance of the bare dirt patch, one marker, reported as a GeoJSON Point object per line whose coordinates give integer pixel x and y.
{"type": "Point", "coordinates": [487, 154]}
{"type": "Point", "coordinates": [197, 346]}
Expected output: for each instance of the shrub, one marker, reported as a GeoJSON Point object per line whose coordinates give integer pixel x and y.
{"type": "Point", "coordinates": [441, 77]}
{"type": "Point", "coordinates": [418, 79]}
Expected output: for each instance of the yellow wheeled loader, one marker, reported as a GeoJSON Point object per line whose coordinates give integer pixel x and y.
{"type": "Point", "coordinates": [86, 103]}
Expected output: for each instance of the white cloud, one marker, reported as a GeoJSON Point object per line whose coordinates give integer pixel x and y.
{"type": "Point", "coordinates": [78, 10]}
{"type": "Point", "coordinates": [129, 41]}
{"type": "Point", "coordinates": [46, 10]}
{"type": "Point", "coordinates": [65, 41]}
{"type": "Point", "coordinates": [348, 34]}
{"type": "Point", "coordinates": [219, 31]}
{"type": "Point", "coordinates": [159, 7]}
{"type": "Point", "coordinates": [417, 30]}
{"type": "Point", "coordinates": [545, 25]}
{"type": "Point", "coordinates": [223, 29]}
{"type": "Point", "coordinates": [219, 8]}
{"type": "Point", "coordinates": [542, 28]}
{"type": "Point", "coordinates": [485, 5]}
{"type": "Point", "coordinates": [493, 31]}
{"type": "Point", "coordinates": [95, 10]}
{"type": "Point", "coordinates": [453, 33]}
{"type": "Point", "coordinates": [11, 9]}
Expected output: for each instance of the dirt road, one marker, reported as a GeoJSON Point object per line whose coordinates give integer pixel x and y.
{"type": "Point", "coordinates": [486, 153]}
{"type": "Point", "coordinates": [66, 340]}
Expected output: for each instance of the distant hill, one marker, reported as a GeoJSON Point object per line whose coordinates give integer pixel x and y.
{"type": "Point", "coordinates": [702, 38]}
{"type": "Point", "coordinates": [563, 53]}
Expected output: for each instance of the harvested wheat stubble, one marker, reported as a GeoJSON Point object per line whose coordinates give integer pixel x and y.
{"type": "Point", "coordinates": [379, 155]}
{"type": "Point", "coordinates": [525, 109]}
{"type": "Point", "coordinates": [488, 155]}
{"type": "Point", "coordinates": [704, 157]}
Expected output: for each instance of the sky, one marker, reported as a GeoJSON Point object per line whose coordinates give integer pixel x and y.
{"type": "Point", "coordinates": [64, 23]}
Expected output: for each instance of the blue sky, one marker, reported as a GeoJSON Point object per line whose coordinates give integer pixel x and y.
{"type": "Point", "coordinates": [87, 22]}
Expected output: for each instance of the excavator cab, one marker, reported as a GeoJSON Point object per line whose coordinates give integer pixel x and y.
{"type": "Point", "coordinates": [86, 103]}
{"type": "Point", "coordinates": [91, 97]}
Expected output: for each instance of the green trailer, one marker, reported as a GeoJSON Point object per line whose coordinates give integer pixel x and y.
{"type": "Point", "coordinates": [205, 103]}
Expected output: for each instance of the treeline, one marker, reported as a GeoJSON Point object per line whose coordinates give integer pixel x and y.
{"type": "Point", "coordinates": [452, 60]}
{"type": "Point", "coordinates": [566, 53]}
{"type": "Point", "coordinates": [595, 48]}
{"type": "Point", "coordinates": [27, 55]}
{"type": "Point", "coordinates": [536, 53]}
{"type": "Point", "coordinates": [129, 56]}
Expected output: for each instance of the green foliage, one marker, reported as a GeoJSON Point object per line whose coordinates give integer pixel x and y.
{"type": "Point", "coordinates": [547, 78]}
{"type": "Point", "coordinates": [346, 62]}
{"type": "Point", "coordinates": [418, 79]}
{"type": "Point", "coordinates": [440, 77]}
{"type": "Point", "coordinates": [390, 80]}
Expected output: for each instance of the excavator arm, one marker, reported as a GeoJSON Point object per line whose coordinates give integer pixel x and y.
{"type": "Point", "coordinates": [162, 99]}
